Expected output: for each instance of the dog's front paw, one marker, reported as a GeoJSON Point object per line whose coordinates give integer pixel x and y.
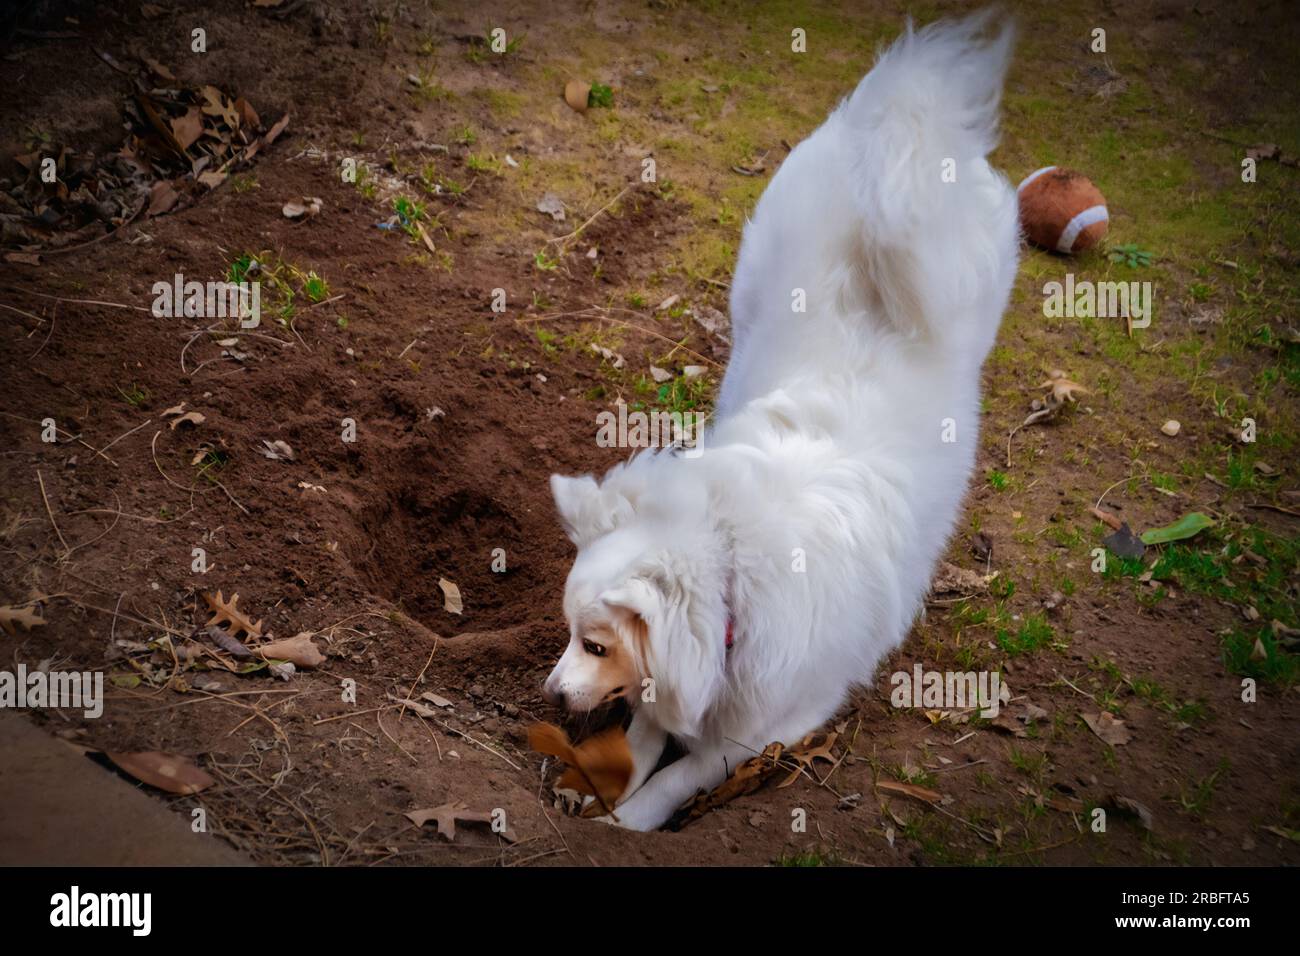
{"type": "Point", "coordinates": [639, 815]}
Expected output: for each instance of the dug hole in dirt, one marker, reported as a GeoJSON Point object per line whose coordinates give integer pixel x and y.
{"type": "Point", "coordinates": [423, 560]}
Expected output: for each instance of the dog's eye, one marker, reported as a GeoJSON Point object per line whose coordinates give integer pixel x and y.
{"type": "Point", "coordinates": [591, 647]}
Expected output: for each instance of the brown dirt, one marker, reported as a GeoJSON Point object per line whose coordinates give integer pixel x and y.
{"type": "Point", "coordinates": [423, 496]}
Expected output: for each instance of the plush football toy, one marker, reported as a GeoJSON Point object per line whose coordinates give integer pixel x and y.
{"type": "Point", "coordinates": [1062, 210]}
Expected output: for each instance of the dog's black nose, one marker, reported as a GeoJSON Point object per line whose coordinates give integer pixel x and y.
{"type": "Point", "coordinates": [554, 697]}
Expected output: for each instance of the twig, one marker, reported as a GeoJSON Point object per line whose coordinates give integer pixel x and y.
{"type": "Point", "coordinates": [961, 766]}
{"type": "Point", "coordinates": [71, 437]}
{"type": "Point", "coordinates": [402, 712]}
{"type": "Point", "coordinates": [1074, 687]}
{"type": "Point", "coordinates": [153, 448]}
{"type": "Point", "coordinates": [577, 232]}
{"type": "Point", "coordinates": [59, 298]}
{"type": "Point", "coordinates": [54, 312]}
{"type": "Point", "coordinates": [66, 550]}
{"type": "Point", "coordinates": [379, 719]}
{"type": "Point", "coordinates": [461, 733]}
{"type": "Point", "coordinates": [126, 435]}
{"type": "Point", "coordinates": [107, 531]}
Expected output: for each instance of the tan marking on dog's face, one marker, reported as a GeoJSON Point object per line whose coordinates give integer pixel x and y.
{"type": "Point", "coordinates": [597, 667]}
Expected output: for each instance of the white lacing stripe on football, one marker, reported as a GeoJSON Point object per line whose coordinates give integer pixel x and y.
{"type": "Point", "coordinates": [1092, 214]}
{"type": "Point", "coordinates": [1034, 175]}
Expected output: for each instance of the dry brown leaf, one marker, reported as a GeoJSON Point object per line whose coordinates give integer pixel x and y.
{"type": "Point", "coordinates": [600, 766]}
{"type": "Point", "coordinates": [189, 418]}
{"type": "Point", "coordinates": [450, 597]}
{"type": "Point", "coordinates": [806, 753]}
{"type": "Point", "coordinates": [419, 709]}
{"type": "Point", "coordinates": [746, 778]}
{"type": "Point", "coordinates": [247, 114]}
{"type": "Point", "coordinates": [1063, 390]}
{"type": "Point", "coordinates": [12, 618]}
{"type": "Point", "coordinates": [924, 794]}
{"type": "Point", "coordinates": [951, 579]}
{"type": "Point", "coordinates": [1108, 728]}
{"type": "Point", "coordinates": [448, 815]}
{"type": "Point", "coordinates": [1135, 807]}
{"type": "Point", "coordinates": [274, 132]}
{"type": "Point", "coordinates": [169, 772]}
{"type": "Point", "coordinates": [298, 650]}
{"type": "Point", "coordinates": [188, 127]}
{"type": "Point", "coordinates": [158, 69]}
{"type": "Point", "coordinates": [162, 196]}
{"type": "Point", "coordinates": [224, 613]}
{"type": "Point", "coordinates": [277, 450]}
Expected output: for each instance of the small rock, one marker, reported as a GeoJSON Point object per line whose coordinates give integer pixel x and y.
{"type": "Point", "coordinates": [1171, 428]}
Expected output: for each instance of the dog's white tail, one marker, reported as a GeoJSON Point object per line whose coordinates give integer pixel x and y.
{"type": "Point", "coordinates": [918, 129]}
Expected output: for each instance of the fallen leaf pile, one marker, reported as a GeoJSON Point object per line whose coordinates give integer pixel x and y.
{"type": "Point", "coordinates": [600, 766]}
{"type": "Point", "coordinates": [181, 141]}
{"type": "Point", "coordinates": [226, 626]}
{"type": "Point", "coordinates": [757, 770]}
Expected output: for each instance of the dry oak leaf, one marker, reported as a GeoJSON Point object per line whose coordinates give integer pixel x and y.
{"type": "Point", "coordinates": [448, 815]}
{"type": "Point", "coordinates": [806, 752]}
{"type": "Point", "coordinates": [224, 613]}
{"type": "Point", "coordinates": [12, 618]}
{"type": "Point", "coordinates": [168, 772]}
{"type": "Point", "coordinates": [600, 766]}
{"type": "Point", "coordinates": [298, 650]}
{"type": "Point", "coordinates": [1108, 727]}
{"type": "Point", "coordinates": [1063, 390]}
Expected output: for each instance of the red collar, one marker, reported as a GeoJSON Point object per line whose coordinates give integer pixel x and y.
{"type": "Point", "coordinates": [731, 633]}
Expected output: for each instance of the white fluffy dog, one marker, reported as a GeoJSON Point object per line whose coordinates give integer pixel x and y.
{"type": "Point", "coordinates": [736, 597]}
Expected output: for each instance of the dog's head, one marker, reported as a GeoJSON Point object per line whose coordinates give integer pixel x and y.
{"type": "Point", "coordinates": [644, 601]}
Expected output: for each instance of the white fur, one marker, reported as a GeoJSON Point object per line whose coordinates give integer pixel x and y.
{"type": "Point", "coordinates": [827, 439]}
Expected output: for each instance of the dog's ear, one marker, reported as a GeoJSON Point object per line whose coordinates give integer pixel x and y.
{"type": "Point", "coordinates": [586, 510]}
{"type": "Point", "coordinates": [682, 657]}
{"type": "Point", "coordinates": [574, 501]}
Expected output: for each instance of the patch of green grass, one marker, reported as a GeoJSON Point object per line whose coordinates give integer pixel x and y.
{"type": "Point", "coordinates": [213, 462]}
{"type": "Point", "coordinates": [1242, 656]}
{"type": "Point", "coordinates": [1033, 634]}
{"type": "Point", "coordinates": [1195, 799]}
{"type": "Point", "coordinates": [676, 395]}
{"type": "Point", "coordinates": [1131, 255]}
{"type": "Point", "coordinates": [807, 858]}
{"type": "Point", "coordinates": [135, 395]}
